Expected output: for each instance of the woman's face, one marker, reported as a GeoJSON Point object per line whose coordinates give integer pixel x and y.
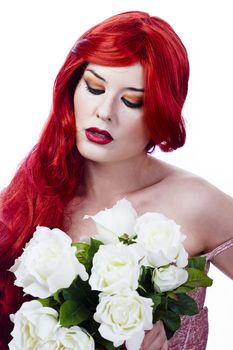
{"type": "Point", "coordinates": [111, 99]}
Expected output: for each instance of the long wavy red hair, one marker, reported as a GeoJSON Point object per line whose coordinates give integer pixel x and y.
{"type": "Point", "coordinates": [54, 171]}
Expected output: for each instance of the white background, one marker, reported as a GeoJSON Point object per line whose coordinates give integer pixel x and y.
{"type": "Point", "coordinates": [35, 37]}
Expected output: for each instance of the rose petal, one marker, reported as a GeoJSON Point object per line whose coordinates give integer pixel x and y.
{"type": "Point", "coordinates": [135, 342]}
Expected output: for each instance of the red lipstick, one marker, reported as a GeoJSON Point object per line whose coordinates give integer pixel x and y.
{"type": "Point", "coordinates": [98, 136]}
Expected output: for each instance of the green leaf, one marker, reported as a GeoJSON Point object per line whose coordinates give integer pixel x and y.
{"type": "Point", "coordinates": [85, 252]}
{"type": "Point", "coordinates": [142, 289]}
{"type": "Point", "coordinates": [182, 289]}
{"type": "Point", "coordinates": [156, 299]}
{"type": "Point", "coordinates": [197, 262]}
{"type": "Point", "coordinates": [81, 290]}
{"type": "Point", "coordinates": [104, 344]}
{"type": "Point", "coordinates": [126, 239]}
{"type": "Point", "coordinates": [91, 326]}
{"type": "Point", "coordinates": [197, 278]}
{"type": "Point", "coordinates": [58, 296]}
{"type": "Point", "coordinates": [161, 308]}
{"type": "Point", "coordinates": [171, 320]}
{"type": "Point", "coordinates": [94, 247]}
{"type": "Point", "coordinates": [172, 296]}
{"type": "Point", "coordinates": [49, 302]}
{"type": "Point", "coordinates": [80, 245]}
{"type": "Point", "coordinates": [109, 345]}
{"type": "Point", "coordinates": [145, 280]}
{"type": "Point", "coordinates": [70, 293]}
{"type": "Point", "coordinates": [72, 313]}
{"type": "Point", "coordinates": [82, 250]}
{"type": "Point", "coordinates": [45, 302]}
{"type": "Point", "coordinates": [184, 305]}
{"type": "Point", "coordinates": [169, 332]}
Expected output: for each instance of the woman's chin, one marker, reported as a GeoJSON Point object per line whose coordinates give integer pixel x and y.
{"type": "Point", "coordinates": [90, 152]}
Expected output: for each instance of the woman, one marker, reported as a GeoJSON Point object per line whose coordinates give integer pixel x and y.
{"type": "Point", "coordinates": [118, 95]}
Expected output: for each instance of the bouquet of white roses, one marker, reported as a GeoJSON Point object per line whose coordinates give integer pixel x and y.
{"type": "Point", "coordinates": [108, 289]}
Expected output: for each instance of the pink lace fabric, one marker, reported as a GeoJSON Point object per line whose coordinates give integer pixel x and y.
{"type": "Point", "coordinates": [193, 333]}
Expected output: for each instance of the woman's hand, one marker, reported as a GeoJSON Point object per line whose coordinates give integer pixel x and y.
{"type": "Point", "coordinates": [156, 338]}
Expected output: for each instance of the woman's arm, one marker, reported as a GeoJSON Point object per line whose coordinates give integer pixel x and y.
{"type": "Point", "coordinates": [212, 211]}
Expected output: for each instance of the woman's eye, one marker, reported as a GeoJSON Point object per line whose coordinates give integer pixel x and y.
{"type": "Point", "coordinates": [130, 104]}
{"type": "Point", "coordinates": [92, 90]}
{"type": "Point", "coordinates": [99, 92]}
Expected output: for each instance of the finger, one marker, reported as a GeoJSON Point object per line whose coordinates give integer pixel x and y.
{"type": "Point", "coordinates": [156, 338]}
{"type": "Point", "coordinates": [153, 342]}
{"type": "Point", "coordinates": [157, 331]}
{"type": "Point", "coordinates": [165, 345]}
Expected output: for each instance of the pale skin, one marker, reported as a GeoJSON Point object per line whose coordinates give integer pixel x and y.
{"type": "Point", "coordinates": [123, 169]}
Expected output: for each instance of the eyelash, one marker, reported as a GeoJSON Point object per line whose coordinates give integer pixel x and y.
{"type": "Point", "coordinates": [99, 92]}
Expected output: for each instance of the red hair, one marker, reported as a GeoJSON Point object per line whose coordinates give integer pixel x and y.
{"type": "Point", "coordinates": [54, 171]}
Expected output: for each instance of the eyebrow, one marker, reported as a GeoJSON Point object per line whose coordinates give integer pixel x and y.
{"type": "Point", "coordinates": [98, 76]}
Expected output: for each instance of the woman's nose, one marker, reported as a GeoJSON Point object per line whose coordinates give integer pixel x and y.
{"type": "Point", "coordinates": [106, 109]}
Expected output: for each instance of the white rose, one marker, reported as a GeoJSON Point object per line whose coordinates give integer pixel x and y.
{"type": "Point", "coordinates": [168, 278]}
{"type": "Point", "coordinates": [33, 325]}
{"type": "Point", "coordinates": [116, 268]}
{"type": "Point", "coordinates": [47, 264]}
{"type": "Point", "coordinates": [114, 222]}
{"type": "Point", "coordinates": [73, 338]}
{"type": "Point", "coordinates": [124, 318]}
{"type": "Point", "coordinates": [162, 239]}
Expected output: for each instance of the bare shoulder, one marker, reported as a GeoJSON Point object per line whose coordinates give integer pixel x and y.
{"type": "Point", "coordinates": [204, 211]}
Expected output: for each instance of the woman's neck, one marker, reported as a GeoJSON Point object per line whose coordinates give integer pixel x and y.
{"type": "Point", "coordinates": [111, 181]}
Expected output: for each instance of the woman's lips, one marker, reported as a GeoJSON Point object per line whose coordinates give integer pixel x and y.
{"type": "Point", "coordinates": [97, 138]}
{"type": "Point", "coordinates": [100, 131]}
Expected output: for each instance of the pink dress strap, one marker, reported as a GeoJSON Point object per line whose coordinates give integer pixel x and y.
{"type": "Point", "coordinates": [219, 249]}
